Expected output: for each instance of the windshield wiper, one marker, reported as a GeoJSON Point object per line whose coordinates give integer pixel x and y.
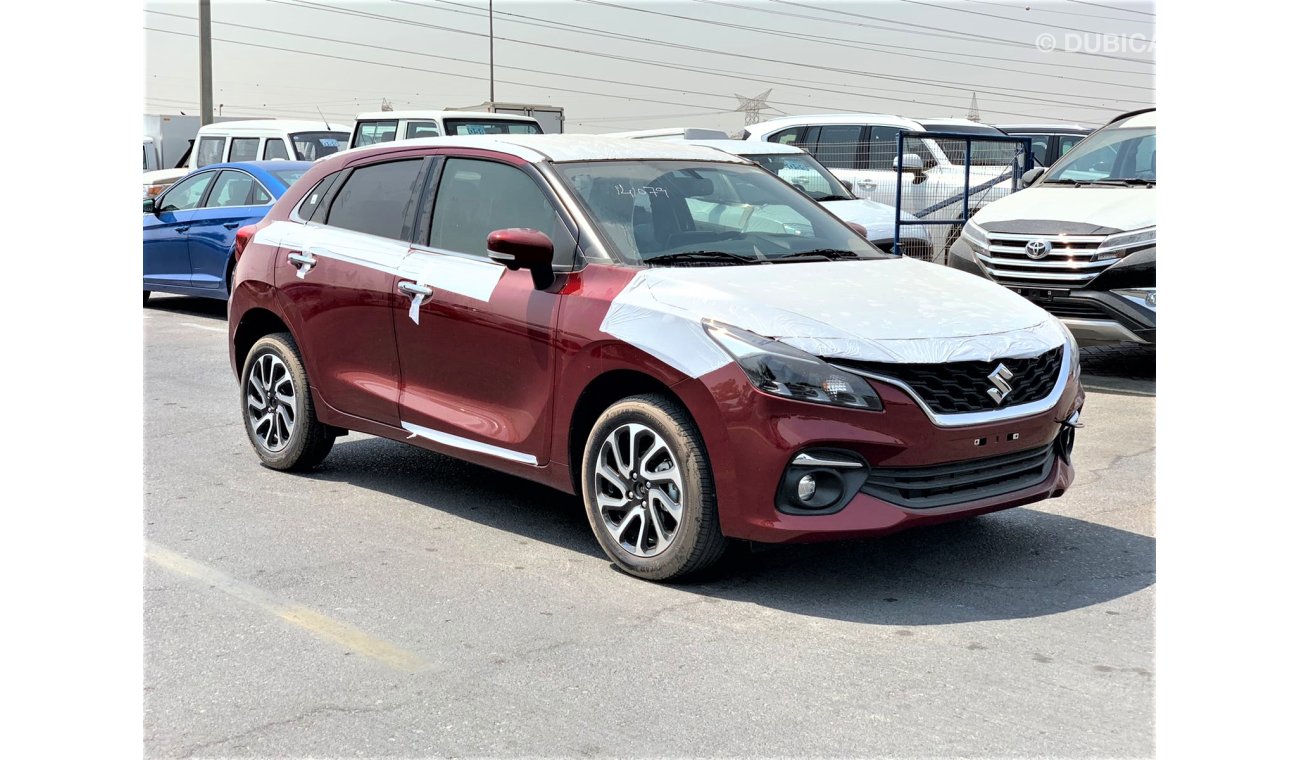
{"type": "Point", "coordinates": [824, 254]}
{"type": "Point", "coordinates": [1074, 182]}
{"type": "Point", "coordinates": [702, 257]}
{"type": "Point", "coordinates": [1127, 182]}
{"type": "Point", "coordinates": [825, 198]}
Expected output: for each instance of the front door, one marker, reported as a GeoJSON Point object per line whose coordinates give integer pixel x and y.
{"type": "Point", "coordinates": [476, 341]}
{"type": "Point", "coordinates": [236, 199]}
{"type": "Point", "coordinates": [166, 232]}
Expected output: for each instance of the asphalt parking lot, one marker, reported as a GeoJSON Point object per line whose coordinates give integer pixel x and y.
{"type": "Point", "coordinates": [399, 603]}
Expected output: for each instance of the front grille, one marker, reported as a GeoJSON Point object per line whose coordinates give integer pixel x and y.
{"type": "Point", "coordinates": [1073, 309]}
{"type": "Point", "coordinates": [946, 484]}
{"type": "Point", "coordinates": [915, 248]}
{"type": "Point", "coordinates": [959, 387]}
{"type": "Point", "coordinates": [1070, 264]}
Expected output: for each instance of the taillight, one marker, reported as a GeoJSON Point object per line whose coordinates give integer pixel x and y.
{"type": "Point", "coordinates": [242, 237]}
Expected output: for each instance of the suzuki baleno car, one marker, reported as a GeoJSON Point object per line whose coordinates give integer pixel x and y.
{"type": "Point", "coordinates": [614, 319]}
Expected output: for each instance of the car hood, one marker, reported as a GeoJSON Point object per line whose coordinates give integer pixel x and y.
{"type": "Point", "coordinates": [889, 310]}
{"type": "Point", "coordinates": [1108, 209]}
{"type": "Point", "coordinates": [876, 217]}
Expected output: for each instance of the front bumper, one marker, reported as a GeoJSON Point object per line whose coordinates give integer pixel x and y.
{"type": "Point", "coordinates": [1095, 316]}
{"type": "Point", "coordinates": [756, 436]}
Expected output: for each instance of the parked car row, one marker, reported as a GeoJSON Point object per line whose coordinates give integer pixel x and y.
{"type": "Point", "coordinates": [681, 336]}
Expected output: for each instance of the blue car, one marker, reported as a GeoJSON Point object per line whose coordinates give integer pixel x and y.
{"type": "Point", "coordinates": [189, 230]}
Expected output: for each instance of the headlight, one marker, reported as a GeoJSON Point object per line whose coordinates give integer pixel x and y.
{"type": "Point", "coordinates": [1076, 361]}
{"type": "Point", "coordinates": [1122, 244]}
{"type": "Point", "coordinates": [1140, 296]}
{"type": "Point", "coordinates": [781, 370]}
{"type": "Point", "coordinates": [975, 237]}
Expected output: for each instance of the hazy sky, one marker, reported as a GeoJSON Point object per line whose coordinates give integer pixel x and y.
{"type": "Point", "coordinates": [672, 62]}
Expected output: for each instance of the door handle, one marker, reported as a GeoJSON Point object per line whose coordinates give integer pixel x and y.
{"type": "Point", "coordinates": [230, 225]}
{"type": "Point", "coordinates": [303, 261]}
{"type": "Point", "coordinates": [415, 289]}
{"type": "Point", "coordinates": [182, 230]}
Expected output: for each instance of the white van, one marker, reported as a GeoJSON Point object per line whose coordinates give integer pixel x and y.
{"type": "Point", "coordinates": [387, 126]}
{"type": "Point", "coordinates": [255, 140]}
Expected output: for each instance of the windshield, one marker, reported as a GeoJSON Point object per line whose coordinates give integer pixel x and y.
{"type": "Point", "coordinates": [288, 176]}
{"type": "Point", "coordinates": [1126, 154]}
{"type": "Point", "coordinates": [805, 173]}
{"type": "Point", "coordinates": [684, 212]}
{"type": "Point", "coordinates": [490, 127]}
{"type": "Point", "coordinates": [310, 146]}
{"type": "Point", "coordinates": [983, 152]}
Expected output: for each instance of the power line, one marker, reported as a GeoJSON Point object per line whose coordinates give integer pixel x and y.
{"type": "Point", "coordinates": [1063, 13]}
{"type": "Point", "coordinates": [955, 31]}
{"type": "Point", "coordinates": [962, 87]}
{"type": "Point", "coordinates": [1038, 24]}
{"type": "Point", "coordinates": [1110, 7]}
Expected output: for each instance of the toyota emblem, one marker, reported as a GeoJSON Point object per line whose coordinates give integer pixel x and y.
{"type": "Point", "coordinates": [1038, 248]}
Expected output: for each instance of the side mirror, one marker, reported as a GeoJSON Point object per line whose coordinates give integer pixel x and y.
{"type": "Point", "coordinates": [522, 248]}
{"type": "Point", "coordinates": [862, 231]}
{"type": "Point", "coordinates": [911, 164]}
{"type": "Point", "coordinates": [1031, 176]}
{"type": "Point", "coordinates": [149, 207]}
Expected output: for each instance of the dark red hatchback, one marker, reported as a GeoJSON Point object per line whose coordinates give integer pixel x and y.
{"type": "Point", "coordinates": [697, 348]}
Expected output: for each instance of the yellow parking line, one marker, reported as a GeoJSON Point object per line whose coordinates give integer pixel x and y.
{"type": "Point", "coordinates": [321, 626]}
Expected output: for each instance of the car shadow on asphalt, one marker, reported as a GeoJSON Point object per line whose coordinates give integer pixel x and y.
{"type": "Point", "coordinates": [198, 307]}
{"type": "Point", "coordinates": [1020, 563]}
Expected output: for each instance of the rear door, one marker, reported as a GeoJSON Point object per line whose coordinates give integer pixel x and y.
{"type": "Point", "coordinates": [235, 200]}
{"type": "Point", "coordinates": [337, 273]}
{"type": "Point", "coordinates": [476, 341]}
{"type": "Point", "coordinates": [166, 232]}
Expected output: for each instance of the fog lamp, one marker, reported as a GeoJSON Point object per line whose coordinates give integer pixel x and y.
{"type": "Point", "coordinates": [807, 487]}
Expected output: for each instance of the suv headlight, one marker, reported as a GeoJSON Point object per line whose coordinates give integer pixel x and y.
{"type": "Point", "coordinates": [1121, 244]}
{"type": "Point", "coordinates": [781, 370]}
{"type": "Point", "coordinates": [975, 237]}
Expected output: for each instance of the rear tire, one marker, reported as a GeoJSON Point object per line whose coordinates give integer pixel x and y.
{"type": "Point", "coordinates": [649, 492]}
{"type": "Point", "coordinates": [276, 404]}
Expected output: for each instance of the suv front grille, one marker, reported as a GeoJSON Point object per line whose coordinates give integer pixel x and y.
{"type": "Point", "coordinates": [946, 484]}
{"type": "Point", "coordinates": [1070, 264]}
{"type": "Point", "coordinates": [959, 387]}
{"type": "Point", "coordinates": [1073, 309]}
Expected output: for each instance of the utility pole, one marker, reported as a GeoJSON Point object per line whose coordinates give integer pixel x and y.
{"type": "Point", "coordinates": [492, 76]}
{"type": "Point", "coordinates": [205, 61]}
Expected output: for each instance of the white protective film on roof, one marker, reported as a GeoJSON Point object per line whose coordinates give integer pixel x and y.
{"type": "Point", "coordinates": [889, 310]}
{"type": "Point", "coordinates": [559, 148]}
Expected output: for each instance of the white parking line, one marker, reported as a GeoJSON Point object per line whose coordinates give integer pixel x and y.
{"type": "Point", "coordinates": [204, 327]}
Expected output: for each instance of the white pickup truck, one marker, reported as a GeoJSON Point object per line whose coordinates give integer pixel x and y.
{"type": "Point", "coordinates": [862, 150]}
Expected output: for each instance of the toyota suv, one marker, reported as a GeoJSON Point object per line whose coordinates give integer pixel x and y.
{"type": "Point", "coordinates": [1080, 241]}
{"type": "Point", "coordinates": [569, 309]}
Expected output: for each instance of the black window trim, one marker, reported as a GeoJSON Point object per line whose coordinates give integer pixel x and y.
{"type": "Point", "coordinates": [426, 223]}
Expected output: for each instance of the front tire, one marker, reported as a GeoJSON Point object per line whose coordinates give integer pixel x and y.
{"type": "Point", "coordinates": [277, 407]}
{"type": "Point", "coordinates": [649, 492]}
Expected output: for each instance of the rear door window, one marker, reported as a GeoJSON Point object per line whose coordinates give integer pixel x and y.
{"type": "Point", "coordinates": [378, 199]}
{"type": "Point", "coordinates": [375, 132]}
{"type": "Point", "coordinates": [234, 188]}
{"type": "Point", "coordinates": [275, 149]}
{"type": "Point", "coordinates": [416, 129]}
{"type": "Point", "coordinates": [837, 145]}
{"type": "Point", "coordinates": [476, 198]}
{"type": "Point", "coordinates": [243, 148]}
{"type": "Point", "coordinates": [882, 148]}
{"type": "Point", "coordinates": [210, 150]}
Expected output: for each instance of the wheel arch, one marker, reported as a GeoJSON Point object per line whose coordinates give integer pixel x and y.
{"type": "Point", "coordinates": [254, 324]}
{"type": "Point", "coordinates": [603, 391]}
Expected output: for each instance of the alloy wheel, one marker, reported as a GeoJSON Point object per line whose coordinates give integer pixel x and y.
{"type": "Point", "coordinates": [271, 402]}
{"type": "Point", "coordinates": [639, 490]}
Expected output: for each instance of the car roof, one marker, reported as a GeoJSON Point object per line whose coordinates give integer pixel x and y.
{"type": "Point", "coordinates": [745, 147]}
{"type": "Point", "coordinates": [815, 119]}
{"type": "Point", "coordinates": [268, 126]}
{"type": "Point", "coordinates": [562, 148]}
{"type": "Point", "coordinates": [260, 169]}
{"type": "Point", "coordinates": [443, 115]}
{"type": "Point", "coordinates": [1043, 127]}
{"type": "Point", "coordinates": [1143, 118]}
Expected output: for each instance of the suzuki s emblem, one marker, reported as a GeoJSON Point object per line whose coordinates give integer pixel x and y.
{"type": "Point", "coordinates": [1000, 387]}
{"type": "Point", "coordinates": [1038, 248]}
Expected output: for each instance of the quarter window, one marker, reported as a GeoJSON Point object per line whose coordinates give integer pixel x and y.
{"type": "Point", "coordinates": [786, 136]}
{"type": "Point", "coordinates": [416, 129]}
{"type": "Point", "coordinates": [377, 199]}
{"type": "Point", "coordinates": [243, 148]}
{"type": "Point", "coordinates": [476, 198]}
{"type": "Point", "coordinates": [275, 149]}
{"type": "Point", "coordinates": [187, 193]}
{"type": "Point", "coordinates": [210, 150]}
{"type": "Point", "coordinates": [313, 200]}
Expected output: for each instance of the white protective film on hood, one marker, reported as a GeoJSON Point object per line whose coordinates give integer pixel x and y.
{"type": "Point", "coordinates": [890, 310]}
{"type": "Point", "coordinates": [1120, 208]}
